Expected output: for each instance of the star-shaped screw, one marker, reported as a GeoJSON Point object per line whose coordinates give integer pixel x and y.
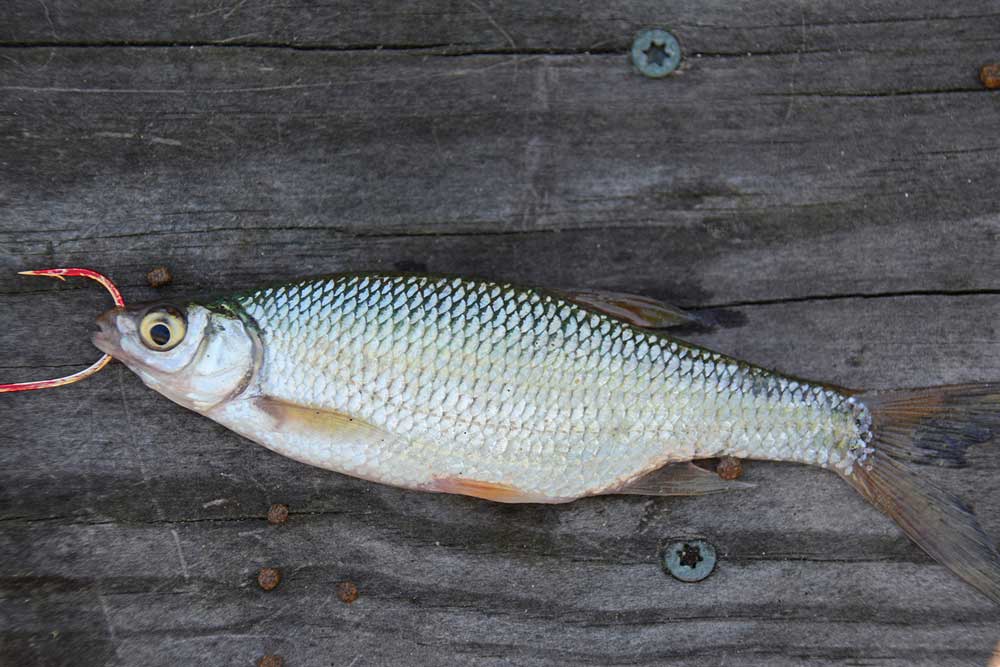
{"type": "Point", "coordinates": [690, 556]}
{"type": "Point", "coordinates": [657, 53]}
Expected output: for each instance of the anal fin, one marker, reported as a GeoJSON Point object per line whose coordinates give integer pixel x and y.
{"type": "Point", "coordinates": [679, 479]}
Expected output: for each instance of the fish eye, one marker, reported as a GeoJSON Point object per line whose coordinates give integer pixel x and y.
{"type": "Point", "coordinates": [162, 328]}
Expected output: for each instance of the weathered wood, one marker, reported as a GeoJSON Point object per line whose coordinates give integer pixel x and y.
{"type": "Point", "coordinates": [828, 203]}
{"type": "Point", "coordinates": [713, 26]}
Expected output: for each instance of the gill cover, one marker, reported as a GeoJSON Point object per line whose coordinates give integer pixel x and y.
{"type": "Point", "coordinates": [194, 356]}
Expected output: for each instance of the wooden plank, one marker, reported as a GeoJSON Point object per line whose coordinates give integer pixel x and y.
{"type": "Point", "coordinates": [100, 487]}
{"type": "Point", "coordinates": [651, 180]}
{"type": "Point", "coordinates": [827, 203]}
{"type": "Point", "coordinates": [714, 26]}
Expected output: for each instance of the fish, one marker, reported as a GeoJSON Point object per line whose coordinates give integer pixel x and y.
{"type": "Point", "coordinates": [519, 394]}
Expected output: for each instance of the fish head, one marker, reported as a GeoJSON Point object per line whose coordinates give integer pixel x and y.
{"type": "Point", "coordinates": [195, 355]}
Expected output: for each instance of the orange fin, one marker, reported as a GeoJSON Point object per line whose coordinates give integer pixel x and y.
{"type": "Point", "coordinates": [679, 479]}
{"type": "Point", "coordinates": [495, 491]}
{"type": "Point", "coordinates": [637, 310]}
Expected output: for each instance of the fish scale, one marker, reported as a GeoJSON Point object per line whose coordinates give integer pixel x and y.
{"type": "Point", "coordinates": [524, 388]}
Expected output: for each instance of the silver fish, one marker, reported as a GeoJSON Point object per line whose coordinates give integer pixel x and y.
{"type": "Point", "coordinates": [530, 395]}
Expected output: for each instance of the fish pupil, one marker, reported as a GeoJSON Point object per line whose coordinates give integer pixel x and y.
{"type": "Point", "coordinates": [160, 334]}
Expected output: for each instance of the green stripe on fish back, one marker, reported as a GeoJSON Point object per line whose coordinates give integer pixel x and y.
{"type": "Point", "coordinates": [524, 374]}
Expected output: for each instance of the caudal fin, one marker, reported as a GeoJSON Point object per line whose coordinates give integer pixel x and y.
{"type": "Point", "coordinates": [932, 426]}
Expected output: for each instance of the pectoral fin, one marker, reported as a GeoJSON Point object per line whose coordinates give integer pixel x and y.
{"type": "Point", "coordinates": [637, 310]}
{"type": "Point", "coordinates": [335, 426]}
{"type": "Point", "coordinates": [678, 479]}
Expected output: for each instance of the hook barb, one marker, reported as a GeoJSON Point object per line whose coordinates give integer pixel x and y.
{"type": "Point", "coordinates": [97, 365]}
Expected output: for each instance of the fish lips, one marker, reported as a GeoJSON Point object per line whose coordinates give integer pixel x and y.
{"type": "Point", "coordinates": [107, 338]}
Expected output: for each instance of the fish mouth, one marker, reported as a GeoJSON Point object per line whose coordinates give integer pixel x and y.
{"type": "Point", "coordinates": [106, 339]}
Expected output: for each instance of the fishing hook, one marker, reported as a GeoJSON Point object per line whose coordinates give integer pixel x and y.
{"type": "Point", "coordinates": [97, 365]}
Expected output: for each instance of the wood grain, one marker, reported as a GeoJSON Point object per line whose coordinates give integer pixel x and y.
{"type": "Point", "coordinates": [818, 181]}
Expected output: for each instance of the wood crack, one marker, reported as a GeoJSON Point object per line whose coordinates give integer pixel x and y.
{"type": "Point", "coordinates": [883, 93]}
{"type": "Point", "coordinates": [850, 295]}
{"type": "Point", "coordinates": [443, 49]}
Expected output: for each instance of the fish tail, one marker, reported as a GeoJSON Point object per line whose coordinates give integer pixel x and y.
{"type": "Point", "coordinates": [932, 426]}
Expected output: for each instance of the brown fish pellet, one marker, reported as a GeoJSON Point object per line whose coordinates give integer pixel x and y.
{"type": "Point", "coordinates": [347, 592]}
{"type": "Point", "coordinates": [729, 468]}
{"type": "Point", "coordinates": [278, 514]}
{"type": "Point", "coordinates": [990, 76]}
{"type": "Point", "coordinates": [269, 578]}
{"type": "Point", "coordinates": [271, 661]}
{"type": "Point", "coordinates": [159, 277]}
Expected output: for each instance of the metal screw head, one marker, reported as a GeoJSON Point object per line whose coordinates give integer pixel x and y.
{"type": "Point", "coordinates": [656, 53]}
{"type": "Point", "coordinates": [689, 560]}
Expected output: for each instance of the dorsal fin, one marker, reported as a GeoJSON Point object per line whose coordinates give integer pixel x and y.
{"type": "Point", "coordinates": [640, 311]}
